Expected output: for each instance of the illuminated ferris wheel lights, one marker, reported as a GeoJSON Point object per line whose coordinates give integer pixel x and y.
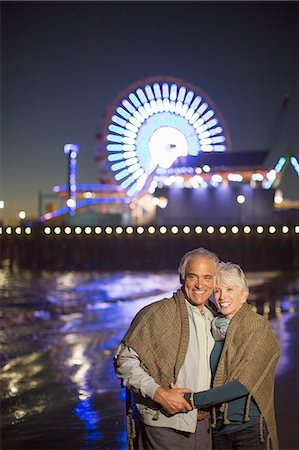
{"type": "Point", "coordinates": [128, 105]}
{"type": "Point", "coordinates": [165, 90]}
{"type": "Point", "coordinates": [114, 147]}
{"type": "Point", "coordinates": [208, 115]}
{"type": "Point", "coordinates": [137, 173]}
{"type": "Point", "coordinates": [166, 104]}
{"type": "Point", "coordinates": [207, 148]}
{"type": "Point", "coordinates": [189, 113]}
{"type": "Point", "coordinates": [217, 139]}
{"type": "Point", "coordinates": [134, 100]}
{"type": "Point", "coordinates": [203, 107]}
{"type": "Point", "coordinates": [216, 130]}
{"type": "Point", "coordinates": [173, 92]}
{"type": "Point", "coordinates": [160, 105]}
{"type": "Point", "coordinates": [194, 118]}
{"type": "Point", "coordinates": [178, 107]}
{"type": "Point", "coordinates": [127, 182]}
{"type": "Point", "coordinates": [134, 121]}
{"type": "Point", "coordinates": [132, 190]}
{"type": "Point", "coordinates": [120, 175]}
{"type": "Point", "coordinates": [118, 120]}
{"type": "Point", "coordinates": [195, 102]}
{"type": "Point", "coordinates": [141, 95]}
{"type": "Point", "coordinates": [128, 140]}
{"type": "Point", "coordinates": [129, 133]}
{"type": "Point", "coordinates": [207, 141]}
{"type": "Point", "coordinates": [118, 166]}
{"type": "Point", "coordinates": [133, 167]}
{"type": "Point", "coordinates": [198, 123]}
{"type": "Point", "coordinates": [128, 155]}
{"type": "Point", "coordinates": [189, 97]}
{"type": "Point", "coordinates": [131, 161]}
{"type": "Point", "coordinates": [122, 112]}
{"type": "Point", "coordinates": [149, 92]}
{"type": "Point", "coordinates": [184, 110]}
{"type": "Point", "coordinates": [128, 147]}
{"type": "Point", "coordinates": [139, 117]}
{"type": "Point", "coordinates": [141, 181]}
{"type": "Point", "coordinates": [201, 129]}
{"type": "Point", "coordinates": [115, 157]}
{"type": "Point", "coordinates": [149, 109]}
{"type": "Point", "coordinates": [142, 111]}
{"type": "Point", "coordinates": [114, 138]}
{"type": "Point", "coordinates": [171, 107]}
{"type": "Point", "coordinates": [212, 123]}
{"type": "Point", "coordinates": [131, 127]}
{"type": "Point", "coordinates": [157, 90]}
{"type": "Point", "coordinates": [204, 135]}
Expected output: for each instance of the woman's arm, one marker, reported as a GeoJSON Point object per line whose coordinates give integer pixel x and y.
{"type": "Point", "coordinates": [226, 392]}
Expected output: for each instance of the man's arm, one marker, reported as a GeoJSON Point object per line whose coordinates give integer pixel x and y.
{"type": "Point", "coordinates": [128, 369]}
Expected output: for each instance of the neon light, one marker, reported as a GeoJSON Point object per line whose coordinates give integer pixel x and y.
{"type": "Point", "coordinates": [118, 120]}
{"type": "Point", "coordinates": [122, 112]}
{"type": "Point", "coordinates": [165, 90]}
{"type": "Point", "coordinates": [118, 166]}
{"type": "Point", "coordinates": [149, 92]}
{"type": "Point", "coordinates": [131, 127]}
{"type": "Point", "coordinates": [235, 177]}
{"type": "Point", "coordinates": [257, 177]}
{"type": "Point", "coordinates": [114, 138]}
{"type": "Point", "coordinates": [141, 95]}
{"type": "Point", "coordinates": [189, 97]}
{"type": "Point", "coordinates": [134, 100]}
{"type": "Point", "coordinates": [145, 111]}
{"type": "Point", "coordinates": [279, 165]}
{"type": "Point", "coordinates": [202, 108]}
{"type": "Point", "coordinates": [157, 90]}
{"type": "Point", "coordinates": [116, 129]}
{"type": "Point", "coordinates": [182, 93]}
{"type": "Point", "coordinates": [72, 150]}
{"type": "Point", "coordinates": [129, 133]}
{"type": "Point", "coordinates": [160, 105]}
{"type": "Point", "coordinates": [114, 147]}
{"type": "Point", "coordinates": [295, 164]}
{"type": "Point", "coordinates": [173, 92]}
{"type": "Point", "coordinates": [128, 106]}
{"type": "Point", "coordinates": [196, 102]}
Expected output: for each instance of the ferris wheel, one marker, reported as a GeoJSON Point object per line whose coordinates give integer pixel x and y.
{"type": "Point", "coordinates": [154, 125]}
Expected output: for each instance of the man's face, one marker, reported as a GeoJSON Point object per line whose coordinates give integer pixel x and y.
{"type": "Point", "coordinates": [199, 280]}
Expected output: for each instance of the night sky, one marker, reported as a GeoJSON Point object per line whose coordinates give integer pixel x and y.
{"type": "Point", "coordinates": [63, 63]}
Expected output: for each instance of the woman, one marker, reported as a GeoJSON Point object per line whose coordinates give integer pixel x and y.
{"type": "Point", "coordinates": [243, 362]}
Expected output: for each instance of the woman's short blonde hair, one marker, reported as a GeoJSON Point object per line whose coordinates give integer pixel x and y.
{"type": "Point", "coordinates": [230, 273]}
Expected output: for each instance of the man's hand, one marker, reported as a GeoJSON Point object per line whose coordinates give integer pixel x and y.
{"type": "Point", "coordinates": [172, 400]}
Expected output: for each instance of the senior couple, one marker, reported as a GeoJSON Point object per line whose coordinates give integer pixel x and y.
{"type": "Point", "coordinates": [198, 375]}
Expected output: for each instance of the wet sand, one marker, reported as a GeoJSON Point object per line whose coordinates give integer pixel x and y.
{"type": "Point", "coordinates": [59, 333]}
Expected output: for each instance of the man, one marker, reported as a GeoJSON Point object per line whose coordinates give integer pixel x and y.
{"type": "Point", "coordinates": [167, 348]}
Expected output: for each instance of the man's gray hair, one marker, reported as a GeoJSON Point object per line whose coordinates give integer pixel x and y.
{"type": "Point", "coordinates": [197, 252]}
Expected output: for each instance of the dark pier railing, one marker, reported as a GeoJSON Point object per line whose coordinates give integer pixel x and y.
{"type": "Point", "coordinates": [147, 248]}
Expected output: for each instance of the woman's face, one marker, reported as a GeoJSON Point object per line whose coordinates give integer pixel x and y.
{"type": "Point", "coordinates": [229, 298]}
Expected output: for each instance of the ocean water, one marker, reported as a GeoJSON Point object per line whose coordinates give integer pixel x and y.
{"type": "Point", "coordinates": [59, 333]}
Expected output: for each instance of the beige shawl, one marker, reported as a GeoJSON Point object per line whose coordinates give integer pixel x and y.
{"type": "Point", "coordinates": [160, 335]}
{"type": "Point", "coordinates": [250, 355]}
